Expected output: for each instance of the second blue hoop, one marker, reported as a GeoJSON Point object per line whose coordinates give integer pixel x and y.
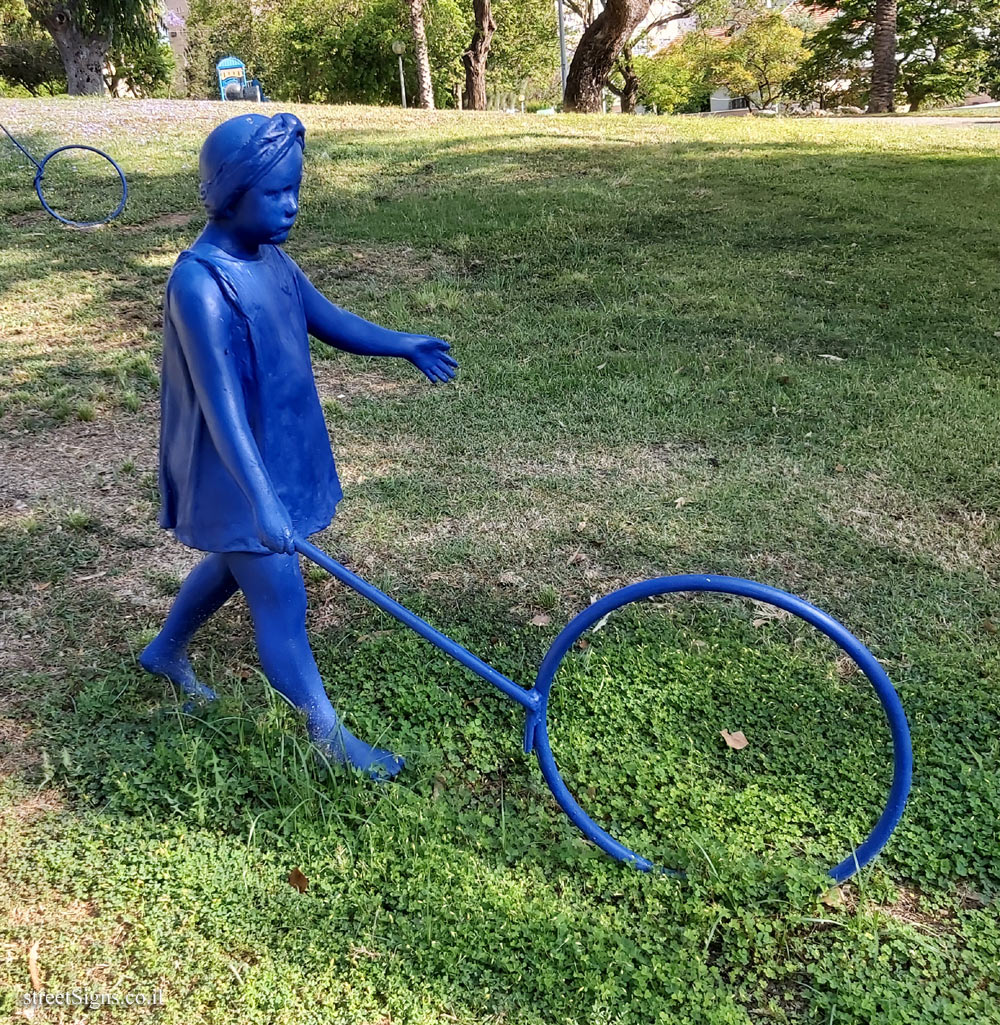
{"type": "Point", "coordinates": [114, 210]}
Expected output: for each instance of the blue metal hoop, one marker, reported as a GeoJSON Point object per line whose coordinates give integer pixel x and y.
{"type": "Point", "coordinates": [536, 729]}
{"type": "Point", "coordinates": [40, 175]}
{"type": "Point", "coordinates": [535, 701]}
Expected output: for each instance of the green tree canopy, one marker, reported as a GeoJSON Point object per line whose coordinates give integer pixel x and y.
{"type": "Point", "coordinates": [29, 59]}
{"type": "Point", "coordinates": [525, 47]}
{"type": "Point", "coordinates": [338, 51]}
{"type": "Point", "coordinates": [759, 58]}
{"type": "Point", "coordinates": [677, 79]}
{"type": "Point", "coordinates": [943, 51]}
{"type": "Point", "coordinates": [85, 30]}
{"type": "Point", "coordinates": [142, 69]}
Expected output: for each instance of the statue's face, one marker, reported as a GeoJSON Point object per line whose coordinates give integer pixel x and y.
{"type": "Point", "coordinates": [265, 213]}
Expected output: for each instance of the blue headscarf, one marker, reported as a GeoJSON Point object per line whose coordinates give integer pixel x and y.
{"type": "Point", "coordinates": [239, 170]}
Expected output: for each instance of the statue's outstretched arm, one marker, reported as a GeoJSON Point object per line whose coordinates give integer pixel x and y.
{"type": "Point", "coordinates": [204, 322]}
{"type": "Point", "coordinates": [343, 330]}
{"type": "Point", "coordinates": [347, 331]}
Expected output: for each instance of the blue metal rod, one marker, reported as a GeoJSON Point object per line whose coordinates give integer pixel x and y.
{"type": "Point", "coordinates": [529, 699]}
{"type": "Point", "coordinates": [20, 147]}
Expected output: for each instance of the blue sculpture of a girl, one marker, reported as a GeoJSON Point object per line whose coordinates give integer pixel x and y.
{"type": "Point", "coordinates": [245, 460]}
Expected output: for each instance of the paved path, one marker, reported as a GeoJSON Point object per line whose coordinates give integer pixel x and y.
{"type": "Point", "coordinates": [993, 121]}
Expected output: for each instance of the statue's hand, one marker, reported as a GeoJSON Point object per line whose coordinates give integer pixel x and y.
{"type": "Point", "coordinates": [430, 355]}
{"type": "Point", "coordinates": [274, 527]}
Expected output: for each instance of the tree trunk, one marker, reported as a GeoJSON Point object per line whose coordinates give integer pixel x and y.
{"type": "Point", "coordinates": [83, 54]}
{"type": "Point", "coordinates": [882, 97]}
{"type": "Point", "coordinates": [629, 95]}
{"type": "Point", "coordinates": [474, 58]}
{"type": "Point", "coordinates": [601, 43]}
{"type": "Point", "coordinates": [628, 91]}
{"type": "Point", "coordinates": [915, 97]}
{"type": "Point", "coordinates": [425, 89]}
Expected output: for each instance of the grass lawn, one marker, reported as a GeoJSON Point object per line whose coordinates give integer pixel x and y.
{"type": "Point", "coordinates": [763, 348]}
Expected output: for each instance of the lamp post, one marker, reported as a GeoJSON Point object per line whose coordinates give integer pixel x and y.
{"type": "Point", "coordinates": [562, 47]}
{"type": "Point", "coordinates": [398, 48]}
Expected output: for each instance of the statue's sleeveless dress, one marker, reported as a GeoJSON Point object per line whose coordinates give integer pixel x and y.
{"type": "Point", "coordinates": [201, 501]}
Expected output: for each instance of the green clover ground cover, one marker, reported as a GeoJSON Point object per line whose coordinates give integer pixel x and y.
{"type": "Point", "coordinates": [764, 349]}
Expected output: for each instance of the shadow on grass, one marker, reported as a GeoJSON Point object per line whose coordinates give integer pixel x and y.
{"type": "Point", "coordinates": [764, 219]}
{"type": "Point", "coordinates": [614, 291]}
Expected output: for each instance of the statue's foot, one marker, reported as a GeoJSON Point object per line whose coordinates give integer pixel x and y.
{"type": "Point", "coordinates": [341, 745]}
{"type": "Point", "coordinates": [177, 669]}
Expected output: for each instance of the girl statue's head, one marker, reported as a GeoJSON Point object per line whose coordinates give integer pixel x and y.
{"type": "Point", "coordinates": [251, 168]}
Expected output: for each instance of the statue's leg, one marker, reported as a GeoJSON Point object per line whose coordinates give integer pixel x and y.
{"type": "Point", "coordinates": [276, 595]}
{"type": "Point", "coordinates": [207, 587]}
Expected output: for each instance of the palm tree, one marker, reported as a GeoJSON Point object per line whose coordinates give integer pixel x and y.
{"type": "Point", "coordinates": [882, 97]}
{"type": "Point", "coordinates": [425, 88]}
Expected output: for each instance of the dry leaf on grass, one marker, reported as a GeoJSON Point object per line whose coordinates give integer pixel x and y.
{"type": "Point", "coordinates": [600, 624]}
{"type": "Point", "coordinates": [36, 977]}
{"type": "Point", "coordinates": [833, 898]}
{"type": "Point", "coordinates": [845, 666]}
{"type": "Point", "coordinates": [737, 741]}
{"type": "Point", "coordinates": [541, 619]}
{"type": "Point", "coordinates": [768, 614]}
{"type": "Point", "coordinates": [298, 879]}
